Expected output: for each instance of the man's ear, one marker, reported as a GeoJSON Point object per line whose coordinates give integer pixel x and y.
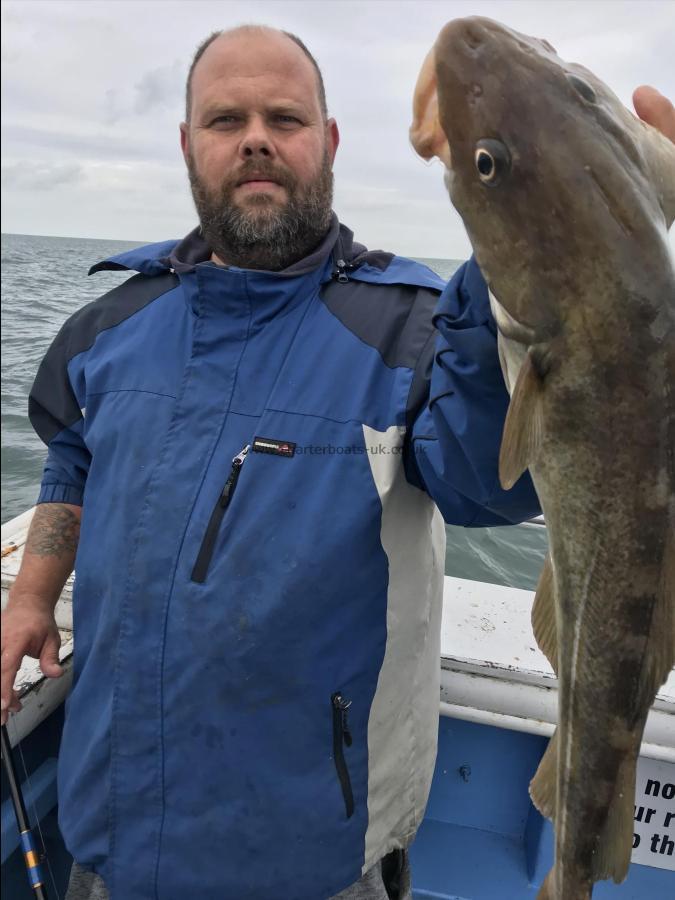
{"type": "Point", "coordinates": [332, 138]}
{"type": "Point", "coordinates": [184, 140]}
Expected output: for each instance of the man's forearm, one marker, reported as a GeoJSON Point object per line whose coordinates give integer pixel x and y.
{"type": "Point", "coordinates": [49, 555]}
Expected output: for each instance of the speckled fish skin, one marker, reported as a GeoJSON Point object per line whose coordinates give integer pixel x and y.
{"type": "Point", "coordinates": [572, 239]}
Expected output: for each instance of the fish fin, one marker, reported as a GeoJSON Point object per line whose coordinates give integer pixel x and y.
{"type": "Point", "coordinates": [543, 615]}
{"type": "Point", "coordinates": [523, 428]}
{"type": "Point", "coordinates": [615, 841]}
{"type": "Point", "coordinates": [547, 889]}
{"type": "Point", "coordinates": [543, 785]}
{"type": "Point", "coordinates": [667, 607]}
{"type": "Point", "coordinates": [660, 655]}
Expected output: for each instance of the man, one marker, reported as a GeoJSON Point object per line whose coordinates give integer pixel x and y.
{"type": "Point", "coordinates": [258, 431]}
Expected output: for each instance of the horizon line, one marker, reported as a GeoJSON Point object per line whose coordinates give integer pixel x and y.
{"type": "Point", "coordinates": [75, 237]}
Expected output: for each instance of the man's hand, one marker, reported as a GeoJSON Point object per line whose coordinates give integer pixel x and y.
{"type": "Point", "coordinates": [28, 623]}
{"type": "Point", "coordinates": [28, 629]}
{"type": "Point", "coordinates": [655, 109]}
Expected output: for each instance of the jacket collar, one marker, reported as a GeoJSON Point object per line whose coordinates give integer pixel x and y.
{"type": "Point", "coordinates": [192, 251]}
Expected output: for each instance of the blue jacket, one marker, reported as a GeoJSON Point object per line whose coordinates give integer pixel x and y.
{"type": "Point", "coordinates": [261, 459]}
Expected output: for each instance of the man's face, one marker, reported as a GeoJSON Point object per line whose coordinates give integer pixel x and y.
{"type": "Point", "coordinates": [258, 150]}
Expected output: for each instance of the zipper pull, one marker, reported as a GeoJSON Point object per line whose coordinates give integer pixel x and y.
{"type": "Point", "coordinates": [343, 705]}
{"type": "Point", "coordinates": [241, 456]}
{"type": "Point", "coordinates": [341, 266]}
{"type": "Point", "coordinates": [237, 463]}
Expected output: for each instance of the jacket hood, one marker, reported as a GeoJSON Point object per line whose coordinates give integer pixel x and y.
{"type": "Point", "coordinates": [149, 259]}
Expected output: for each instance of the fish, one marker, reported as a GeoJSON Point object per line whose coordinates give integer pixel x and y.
{"type": "Point", "coordinates": [567, 198]}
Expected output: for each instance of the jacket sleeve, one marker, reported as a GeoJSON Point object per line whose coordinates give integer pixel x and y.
{"type": "Point", "coordinates": [457, 418]}
{"type": "Point", "coordinates": [56, 415]}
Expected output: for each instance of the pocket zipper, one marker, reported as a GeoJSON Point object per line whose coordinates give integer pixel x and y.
{"type": "Point", "coordinates": [201, 566]}
{"type": "Point", "coordinates": [342, 736]}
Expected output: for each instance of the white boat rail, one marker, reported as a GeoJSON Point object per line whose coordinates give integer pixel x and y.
{"type": "Point", "coordinates": [492, 671]}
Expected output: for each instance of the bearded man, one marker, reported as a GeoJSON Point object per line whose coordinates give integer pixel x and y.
{"type": "Point", "coordinates": [260, 432]}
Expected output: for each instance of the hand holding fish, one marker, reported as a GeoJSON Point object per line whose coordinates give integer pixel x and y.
{"type": "Point", "coordinates": [655, 109]}
{"type": "Point", "coordinates": [567, 198]}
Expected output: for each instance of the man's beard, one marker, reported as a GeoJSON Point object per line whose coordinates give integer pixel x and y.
{"type": "Point", "coordinates": [261, 234]}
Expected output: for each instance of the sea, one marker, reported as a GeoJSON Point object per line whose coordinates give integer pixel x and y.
{"type": "Point", "coordinates": [44, 280]}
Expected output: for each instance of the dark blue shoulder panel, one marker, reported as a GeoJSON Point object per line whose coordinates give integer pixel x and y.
{"type": "Point", "coordinates": [52, 405]}
{"type": "Point", "coordinates": [395, 319]}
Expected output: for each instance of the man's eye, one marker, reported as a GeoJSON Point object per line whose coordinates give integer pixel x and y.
{"type": "Point", "coordinates": [224, 120]}
{"type": "Point", "coordinates": [286, 120]}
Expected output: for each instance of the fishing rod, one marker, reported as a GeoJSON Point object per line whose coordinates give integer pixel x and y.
{"type": "Point", "coordinates": [27, 841]}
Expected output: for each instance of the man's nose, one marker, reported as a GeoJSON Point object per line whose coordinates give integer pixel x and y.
{"type": "Point", "coordinates": [257, 140]}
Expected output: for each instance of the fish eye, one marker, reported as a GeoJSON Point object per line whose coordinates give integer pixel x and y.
{"type": "Point", "coordinates": [492, 160]}
{"type": "Point", "coordinates": [583, 88]}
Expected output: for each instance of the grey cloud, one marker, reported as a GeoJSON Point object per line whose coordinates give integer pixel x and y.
{"type": "Point", "coordinates": [9, 54]}
{"type": "Point", "coordinates": [367, 196]}
{"type": "Point", "coordinates": [97, 145]}
{"type": "Point", "coordinates": [112, 110]}
{"type": "Point", "coordinates": [159, 88]}
{"type": "Point", "coordinates": [28, 175]}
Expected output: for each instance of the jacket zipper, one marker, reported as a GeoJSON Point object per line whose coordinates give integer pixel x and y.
{"type": "Point", "coordinates": [201, 566]}
{"type": "Point", "coordinates": [341, 269]}
{"type": "Point", "coordinates": [342, 736]}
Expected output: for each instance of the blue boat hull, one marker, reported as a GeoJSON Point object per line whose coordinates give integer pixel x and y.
{"type": "Point", "coordinates": [481, 838]}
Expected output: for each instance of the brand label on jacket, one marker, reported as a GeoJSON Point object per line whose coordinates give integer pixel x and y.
{"type": "Point", "coordinates": [272, 445]}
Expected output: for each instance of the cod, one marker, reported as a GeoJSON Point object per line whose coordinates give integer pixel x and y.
{"type": "Point", "coordinates": [567, 199]}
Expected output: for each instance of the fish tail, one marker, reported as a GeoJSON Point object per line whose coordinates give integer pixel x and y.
{"type": "Point", "coordinates": [615, 841]}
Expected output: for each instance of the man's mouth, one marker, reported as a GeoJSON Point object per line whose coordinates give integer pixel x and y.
{"type": "Point", "coordinates": [258, 180]}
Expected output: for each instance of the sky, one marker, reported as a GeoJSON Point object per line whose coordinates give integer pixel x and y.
{"type": "Point", "coordinates": [92, 94]}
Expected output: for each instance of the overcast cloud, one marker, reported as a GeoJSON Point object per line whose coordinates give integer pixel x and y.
{"type": "Point", "coordinates": [93, 93]}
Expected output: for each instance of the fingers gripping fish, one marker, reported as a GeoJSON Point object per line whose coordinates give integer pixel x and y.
{"type": "Point", "coordinates": [567, 198]}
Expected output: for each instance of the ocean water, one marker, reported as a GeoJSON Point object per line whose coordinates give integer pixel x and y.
{"type": "Point", "coordinates": [44, 280]}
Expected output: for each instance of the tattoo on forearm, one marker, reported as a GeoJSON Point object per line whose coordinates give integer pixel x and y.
{"type": "Point", "coordinates": [54, 531]}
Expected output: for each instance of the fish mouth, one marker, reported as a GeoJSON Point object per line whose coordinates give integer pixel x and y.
{"type": "Point", "coordinates": [457, 50]}
{"type": "Point", "coordinates": [426, 135]}
{"type": "Point", "coordinates": [457, 79]}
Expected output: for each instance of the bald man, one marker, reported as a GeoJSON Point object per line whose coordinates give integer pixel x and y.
{"type": "Point", "coordinates": [259, 432]}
